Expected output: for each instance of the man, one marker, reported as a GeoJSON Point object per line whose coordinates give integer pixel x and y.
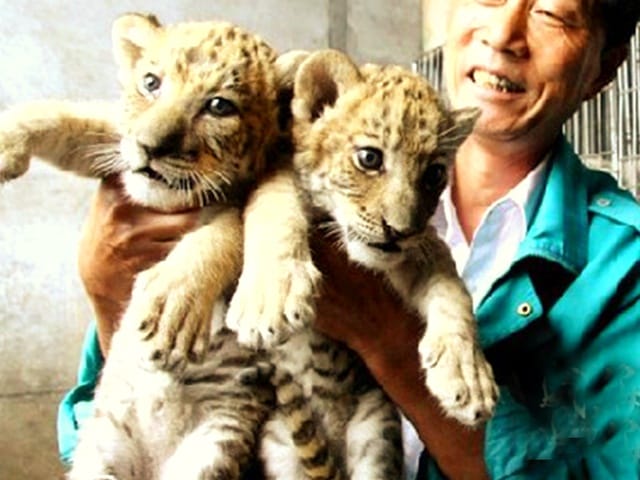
{"type": "Point", "coordinates": [549, 250]}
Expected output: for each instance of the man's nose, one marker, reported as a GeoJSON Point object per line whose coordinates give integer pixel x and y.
{"type": "Point", "coordinates": [506, 27]}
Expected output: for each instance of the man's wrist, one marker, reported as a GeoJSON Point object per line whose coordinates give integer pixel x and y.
{"type": "Point", "coordinates": [395, 364]}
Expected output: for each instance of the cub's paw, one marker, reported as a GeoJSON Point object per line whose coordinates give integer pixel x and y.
{"type": "Point", "coordinates": [272, 302]}
{"type": "Point", "coordinates": [12, 165]}
{"type": "Point", "coordinates": [459, 376]}
{"type": "Point", "coordinates": [173, 316]}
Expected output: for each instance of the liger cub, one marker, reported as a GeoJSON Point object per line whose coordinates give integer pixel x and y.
{"type": "Point", "coordinates": [373, 148]}
{"type": "Point", "coordinates": [198, 126]}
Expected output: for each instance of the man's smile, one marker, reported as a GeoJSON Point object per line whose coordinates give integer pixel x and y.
{"type": "Point", "coordinates": [494, 81]}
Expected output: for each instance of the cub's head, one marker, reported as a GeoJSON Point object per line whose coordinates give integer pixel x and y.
{"type": "Point", "coordinates": [200, 109]}
{"type": "Point", "coordinates": [374, 146]}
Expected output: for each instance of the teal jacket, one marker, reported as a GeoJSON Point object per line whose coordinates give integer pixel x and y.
{"type": "Point", "coordinates": [77, 404]}
{"type": "Point", "coordinates": [562, 330]}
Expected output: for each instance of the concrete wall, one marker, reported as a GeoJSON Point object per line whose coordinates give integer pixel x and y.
{"type": "Point", "coordinates": [62, 49]}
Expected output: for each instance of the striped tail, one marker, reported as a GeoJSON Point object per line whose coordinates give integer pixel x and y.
{"type": "Point", "coordinates": [308, 434]}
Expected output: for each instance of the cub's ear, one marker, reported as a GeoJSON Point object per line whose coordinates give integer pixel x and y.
{"type": "Point", "coordinates": [287, 66]}
{"type": "Point", "coordinates": [322, 78]}
{"type": "Point", "coordinates": [131, 33]}
{"type": "Point", "coordinates": [459, 127]}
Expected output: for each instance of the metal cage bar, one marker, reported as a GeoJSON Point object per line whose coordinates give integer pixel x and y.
{"type": "Point", "coordinates": [605, 131]}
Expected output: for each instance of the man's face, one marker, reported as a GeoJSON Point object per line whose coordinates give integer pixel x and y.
{"type": "Point", "coordinates": [527, 64]}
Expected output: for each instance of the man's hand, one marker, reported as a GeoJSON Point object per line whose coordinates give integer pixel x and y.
{"type": "Point", "coordinates": [119, 240]}
{"type": "Point", "coordinates": [357, 308]}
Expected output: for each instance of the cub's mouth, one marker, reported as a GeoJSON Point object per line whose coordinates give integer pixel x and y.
{"type": "Point", "coordinates": [175, 183]}
{"type": "Point", "coordinates": [151, 174]}
{"type": "Point", "coordinates": [386, 247]}
{"type": "Point", "coordinates": [390, 246]}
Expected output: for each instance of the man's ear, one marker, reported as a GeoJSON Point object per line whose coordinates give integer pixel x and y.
{"type": "Point", "coordinates": [131, 33]}
{"type": "Point", "coordinates": [610, 60]}
{"type": "Point", "coordinates": [321, 79]}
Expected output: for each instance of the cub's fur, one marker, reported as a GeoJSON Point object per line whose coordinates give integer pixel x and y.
{"type": "Point", "coordinates": [198, 124]}
{"type": "Point", "coordinates": [373, 149]}
{"type": "Point", "coordinates": [200, 111]}
{"type": "Point", "coordinates": [192, 134]}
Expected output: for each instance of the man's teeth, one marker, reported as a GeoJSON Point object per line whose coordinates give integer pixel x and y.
{"type": "Point", "coordinates": [490, 80]}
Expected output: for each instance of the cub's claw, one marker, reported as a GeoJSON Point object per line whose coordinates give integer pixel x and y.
{"type": "Point", "coordinates": [265, 310]}
{"type": "Point", "coordinates": [12, 165]}
{"type": "Point", "coordinates": [14, 151]}
{"type": "Point", "coordinates": [173, 318]}
{"type": "Point", "coordinates": [459, 376]}
{"type": "Point", "coordinates": [259, 373]}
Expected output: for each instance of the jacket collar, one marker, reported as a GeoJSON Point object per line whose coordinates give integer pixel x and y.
{"type": "Point", "coordinates": [554, 250]}
{"type": "Point", "coordinates": [558, 220]}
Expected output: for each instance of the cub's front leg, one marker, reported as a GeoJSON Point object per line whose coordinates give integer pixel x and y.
{"type": "Point", "coordinates": [172, 302]}
{"type": "Point", "coordinates": [81, 137]}
{"type": "Point", "coordinates": [457, 372]}
{"type": "Point", "coordinates": [276, 291]}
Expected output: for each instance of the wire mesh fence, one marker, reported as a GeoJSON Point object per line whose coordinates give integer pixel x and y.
{"type": "Point", "coordinates": [605, 131]}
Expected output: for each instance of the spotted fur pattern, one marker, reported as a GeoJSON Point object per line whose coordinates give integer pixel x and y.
{"type": "Point", "coordinates": [373, 149]}
{"type": "Point", "coordinates": [183, 145]}
{"type": "Point", "coordinates": [197, 126]}
{"type": "Point", "coordinates": [199, 123]}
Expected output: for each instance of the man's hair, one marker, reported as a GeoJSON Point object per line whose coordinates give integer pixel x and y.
{"type": "Point", "coordinates": [619, 19]}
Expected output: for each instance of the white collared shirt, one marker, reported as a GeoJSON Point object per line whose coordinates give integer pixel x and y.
{"type": "Point", "coordinates": [482, 261]}
{"type": "Point", "coordinates": [497, 238]}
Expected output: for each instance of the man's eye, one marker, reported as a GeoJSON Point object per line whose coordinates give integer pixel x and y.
{"type": "Point", "coordinates": [556, 13]}
{"type": "Point", "coordinates": [221, 107]}
{"type": "Point", "coordinates": [548, 17]}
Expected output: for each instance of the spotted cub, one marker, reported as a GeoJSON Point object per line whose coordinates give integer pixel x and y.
{"type": "Point", "coordinates": [198, 124]}
{"type": "Point", "coordinates": [373, 149]}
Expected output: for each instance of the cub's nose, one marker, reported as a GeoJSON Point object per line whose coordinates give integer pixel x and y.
{"type": "Point", "coordinates": [170, 145]}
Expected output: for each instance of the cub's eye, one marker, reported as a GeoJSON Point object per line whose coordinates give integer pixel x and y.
{"type": "Point", "coordinates": [150, 83]}
{"type": "Point", "coordinates": [221, 107]}
{"type": "Point", "coordinates": [368, 158]}
{"type": "Point", "coordinates": [435, 176]}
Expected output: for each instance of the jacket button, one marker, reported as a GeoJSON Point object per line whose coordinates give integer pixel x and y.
{"type": "Point", "coordinates": [525, 309]}
{"type": "Point", "coordinates": [603, 202]}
